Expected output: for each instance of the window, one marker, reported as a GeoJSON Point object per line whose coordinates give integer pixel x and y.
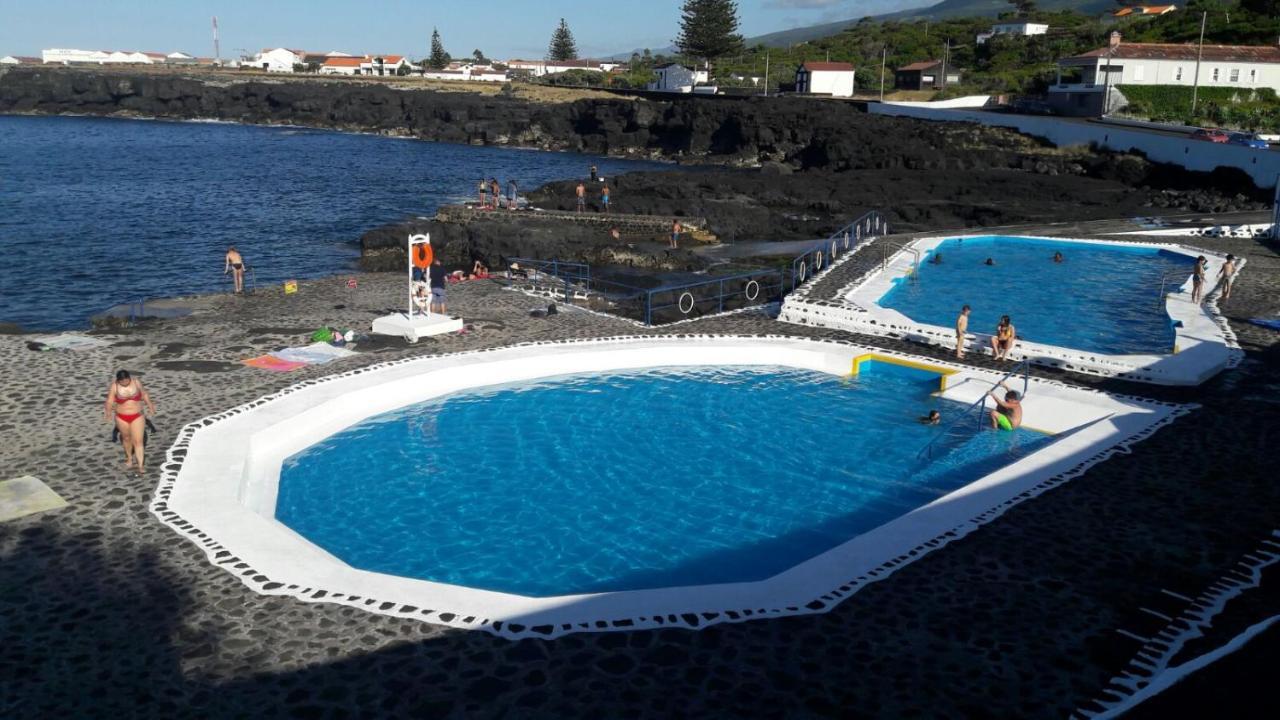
{"type": "Point", "coordinates": [1235, 74]}
{"type": "Point", "coordinates": [1253, 76]}
{"type": "Point", "coordinates": [1215, 74]}
{"type": "Point", "coordinates": [1177, 74]}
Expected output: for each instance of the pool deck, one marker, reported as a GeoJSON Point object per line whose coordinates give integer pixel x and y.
{"type": "Point", "coordinates": [105, 611]}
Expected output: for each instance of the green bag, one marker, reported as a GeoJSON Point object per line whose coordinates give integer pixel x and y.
{"type": "Point", "coordinates": [324, 334]}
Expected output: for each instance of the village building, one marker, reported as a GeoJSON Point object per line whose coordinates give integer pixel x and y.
{"type": "Point", "coordinates": [1084, 79]}
{"type": "Point", "coordinates": [68, 56]}
{"type": "Point", "coordinates": [276, 60]}
{"type": "Point", "coordinates": [540, 68]}
{"type": "Point", "coordinates": [20, 60]}
{"type": "Point", "coordinates": [677, 78]}
{"type": "Point", "coordinates": [465, 71]}
{"type": "Point", "coordinates": [925, 75]}
{"type": "Point", "coordinates": [825, 78]}
{"type": "Point", "coordinates": [1020, 29]}
{"type": "Point", "coordinates": [341, 66]}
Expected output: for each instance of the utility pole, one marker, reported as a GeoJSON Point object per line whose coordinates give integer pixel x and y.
{"type": "Point", "coordinates": [884, 55]}
{"type": "Point", "coordinates": [946, 54]}
{"type": "Point", "coordinates": [1106, 79]}
{"type": "Point", "coordinates": [1195, 89]}
{"type": "Point", "coordinates": [766, 74]}
{"type": "Point", "coordinates": [217, 52]}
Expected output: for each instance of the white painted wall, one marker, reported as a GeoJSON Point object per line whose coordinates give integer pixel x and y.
{"type": "Point", "coordinates": [1246, 76]}
{"type": "Point", "coordinates": [831, 82]}
{"type": "Point", "coordinates": [1261, 165]}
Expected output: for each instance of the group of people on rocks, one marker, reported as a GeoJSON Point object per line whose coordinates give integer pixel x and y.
{"type": "Point", "coordinates": [490, 191]}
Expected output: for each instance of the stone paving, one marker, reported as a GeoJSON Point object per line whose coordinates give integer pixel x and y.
{"type": "Point", "coordinates": [104, 612]}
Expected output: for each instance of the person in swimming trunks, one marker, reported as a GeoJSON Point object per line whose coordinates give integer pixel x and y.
{"type": "Point", "coordinates": [125, 397]}
{"type": "Point", "coordinates": [1227, 276]}
{"type": "Point", "coordinates": [1002, 342]}
{"type": "Point", "coordinates": [234, 264]}
{"type": "Point", "coordinates": [581, 191]}
{"type": "Point", "coordinates": [1197, 279]}
{"type": "Point", "coordinates": [1008, 412]}
{"type": "Point", "coordinates": [604, 197]}
{"type": "Point", "coordinates": [962, 328]}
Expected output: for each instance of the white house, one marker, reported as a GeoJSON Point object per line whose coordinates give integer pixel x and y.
{"type": "Point", "coordinates": [384, 64]}
{"type": "Point", "coordinates": [1023, 29]}
{"type": "Point", "coordinates": [180, 58]}
{"type": "Point", "coordinates": [825, 78]}
{"type": "Point", "coordinates": [1083, 78]}
{"type": "Point", "coordinates": [677, 78]}
{"type": "Point", "coordinates": [68, 56]}
{"type": "Point", "coordinates": [19, 60]}
{"type": "Point", "coordinates": [341, 66]}
{"type": "Point", "coordinates": [467, 71]}
{"type": "Point", "coordinates": [276, 60]}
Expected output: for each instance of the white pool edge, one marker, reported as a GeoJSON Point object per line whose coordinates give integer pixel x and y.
{"type": "Point", "coordinates": [1206, 344]}
{"type": "Point", "coordinates": [271, 559]}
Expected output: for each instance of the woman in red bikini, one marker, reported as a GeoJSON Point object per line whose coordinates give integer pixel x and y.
{"type": "Point", "coordinates": [125, 398]}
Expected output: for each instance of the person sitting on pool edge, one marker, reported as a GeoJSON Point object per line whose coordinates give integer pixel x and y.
{"type": "Point", "coordinates": [1008, 412]}
{"type": "Point", "coordinates": [1002, 342]}
{"type": "Point", "coordinates": [1057, 257]}
{"type": "Point", "coordinates": [933, 418]}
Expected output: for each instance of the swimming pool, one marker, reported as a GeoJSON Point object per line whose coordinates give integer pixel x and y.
{"type": "Point", "coordinates": [768, 515]}
{"type": "Point", "coordinates": [624, 481]}
{"type": "Point", "coordinates": [1100, 298]}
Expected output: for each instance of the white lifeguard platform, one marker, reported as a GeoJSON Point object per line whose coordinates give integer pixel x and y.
{"type": "Point", "coordinates": [416, 323]}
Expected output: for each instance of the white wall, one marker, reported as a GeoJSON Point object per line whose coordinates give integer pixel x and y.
{"type": "Point", "coordinates": [1261, 165]}
{"type": "Point", "coordinates": [829, 82]}
{"type": "Point", "coordinates": [1183, 72]}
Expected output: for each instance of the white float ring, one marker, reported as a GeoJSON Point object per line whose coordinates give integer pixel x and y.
{"type": "Point", "coordinates": [817, 261]}
{"type": "Point", "coordinates": [803, 269]}
{"type": "Point", "coordinates": [752, 289]}
{"type": "Point", "coordinates": [692, 302]}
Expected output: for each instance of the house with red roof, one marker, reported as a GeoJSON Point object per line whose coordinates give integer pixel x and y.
{"type": "Point", "coordinates": [1083, 79]}
{"type": "Point", "coordinates": [925, 75]}
{"type": "Point", "coordinates": [825, 78]}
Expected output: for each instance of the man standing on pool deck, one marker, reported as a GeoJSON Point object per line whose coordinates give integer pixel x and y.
{"type": "Point", "coordinates": [438, 281]}
{"type": "Point", "coordinates": [1197, 279]}
{"type": "Point", "coordinates": [1226, 276]}
{"type": "Point", "coordinates": [962, 328]}
{"type": "Point", "coordinates": [582, 197]}
{"type": "Point", "coordinates": [604, 197]}
{"type": "Point", "coordinates": [1008, 412]}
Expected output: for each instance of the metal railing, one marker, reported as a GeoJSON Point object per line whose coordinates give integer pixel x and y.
{"type": "Point", "coordinates": [976, 409]}
{"type": "Point", "coordinates": [1164, 283]}
{"type": "Point", "coordinates": [570, 274]}
{"type": "Point", "coordinates": [884, 257]}
{"type": "Point", "coordinates": [848, 238]}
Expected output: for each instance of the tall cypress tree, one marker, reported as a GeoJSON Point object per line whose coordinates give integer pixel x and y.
{"type": "Point", "coordinates": [439, 58]}
{"type": "Point", "coordinates": [562, 45]}
{"type": "Point", "coordinates": [709, 29]}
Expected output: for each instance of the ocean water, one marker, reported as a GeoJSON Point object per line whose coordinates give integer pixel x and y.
{"type": "Point", "coordinates": [95, 212]}
{"type": "Point", "coordinates": [1101, 298]}
{"type": "Point", "coordinates": [621, 481]}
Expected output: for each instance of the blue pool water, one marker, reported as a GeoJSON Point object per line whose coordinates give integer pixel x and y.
{"type": "Point", "coordinates": [1102, 298]}
{"type": "Point", "coordinates": [95, 212]}
{"type": "Point", "coordinates": [665, 477]}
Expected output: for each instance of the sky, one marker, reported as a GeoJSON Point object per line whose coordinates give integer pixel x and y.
{"type": "Point", "coordinates": [502, 29]}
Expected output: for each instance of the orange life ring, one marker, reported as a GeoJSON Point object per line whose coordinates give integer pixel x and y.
{"type": "Point", "coordinates": [422, 256]}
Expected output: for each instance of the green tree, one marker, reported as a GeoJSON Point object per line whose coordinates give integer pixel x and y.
{"type": "Point", "coordinates": [562, 45]}
{"type": "Point", "coordinates": [439, 58]}
{"type": "Point", "coordinates": [1025, 7]}
{"type": "Point", "coordinates": [1270, 8]}
{"type": "Point", "coordinates": [479, 57]}
{"type": "Point", "coordinates": [709, 29]}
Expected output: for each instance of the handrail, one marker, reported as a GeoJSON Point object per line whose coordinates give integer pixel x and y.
{"type": "Point", "coordinates": [884, 257]}
{"type": "Point", "coordinates": [1024, 366]}
{"type": "Point", "coordinates": [1164, 281]}
{"type": "Point", "coordinates": [866, 226]}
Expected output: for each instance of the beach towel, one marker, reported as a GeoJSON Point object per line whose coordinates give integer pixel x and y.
{"type": "Point", "coordinates": [313, 354]}
{"type": "Point", "coordinates": [274, 364]}
{"type": "Point", "coordinates": [70, 341]}
{"type": "Point", "coordinates": [1269, 323]}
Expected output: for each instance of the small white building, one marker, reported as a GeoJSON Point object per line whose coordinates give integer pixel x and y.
{"type": "Point", "coordinates": [825, 78]}
{"type": "Point", "coordinates": [540, 68]}
{"type": "Point", "coordinates": [69, 56]}
{"type": "Point", "coordinates": [677, 78]}
{"type": "Point", "coordinates": [341, 66]}
{"type": "Point", "coordinates": [467, 71]}
{"type": "Point", "coordinates": [180, 58]}
{"type": "Point", "coordinates": [384, 64]}
{"type": "Point", "coordinates": [276, 60]}
{"type": "Point", "coordinates": [1023, 29]}
{"type": "Point", "coordinates": [1082, 79]}
{"type": "Point", "coordinates": [19, 60]}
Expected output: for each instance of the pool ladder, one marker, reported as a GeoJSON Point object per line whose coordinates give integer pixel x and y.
{"type": "Point", "coordinates": [884, 257]}
{"type": "Point", "coordinates": [1023, 367]}
{"type": "Point", "coordinates": [1164, 283]}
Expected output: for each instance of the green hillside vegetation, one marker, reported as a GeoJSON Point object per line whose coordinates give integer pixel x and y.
{"type": "Point", "coordinates": [1004, 64]}
{"type": "Point", "coordinates": [1217, 106]}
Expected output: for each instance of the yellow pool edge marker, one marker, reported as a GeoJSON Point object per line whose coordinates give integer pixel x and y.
{"type": "Point", "coordinates": [943, 373]}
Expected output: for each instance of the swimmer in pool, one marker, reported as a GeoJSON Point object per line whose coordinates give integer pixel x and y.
{"type": "Point", "coordinates": [933, 418]}
{"type": "Point", "coordinates": [989, 261]}
{"type": "Point", "coordinates": [1008, 412]}
{"type": "Point", "coordinates": [936, 259]}
{"type": "Point", "coordinates": [1057, 257]}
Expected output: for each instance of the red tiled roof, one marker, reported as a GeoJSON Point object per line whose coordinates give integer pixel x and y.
{"type": "Point", "coordinates": [828, 67]}
{"type": "Point", "coordinates": [1188, 52]}
{"type": "Point", "coordinates": [391, 59]}
{"type": "Point", "coordinates": [922, 65]}
{"type": "Point", "coordinates": [343, 62]}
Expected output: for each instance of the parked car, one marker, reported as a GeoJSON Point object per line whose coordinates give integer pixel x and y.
{"type": "Point", "coordinates": [1210, 135]}
{"type": "Point", "coordinates": [1247, 140]}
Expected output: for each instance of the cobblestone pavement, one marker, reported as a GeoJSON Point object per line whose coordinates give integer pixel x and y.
{"type": "Point", "coordinates": [106, 613]}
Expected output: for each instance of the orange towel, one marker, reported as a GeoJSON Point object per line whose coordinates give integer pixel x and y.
{"type": "Point", "coordinates": [273, 363]}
